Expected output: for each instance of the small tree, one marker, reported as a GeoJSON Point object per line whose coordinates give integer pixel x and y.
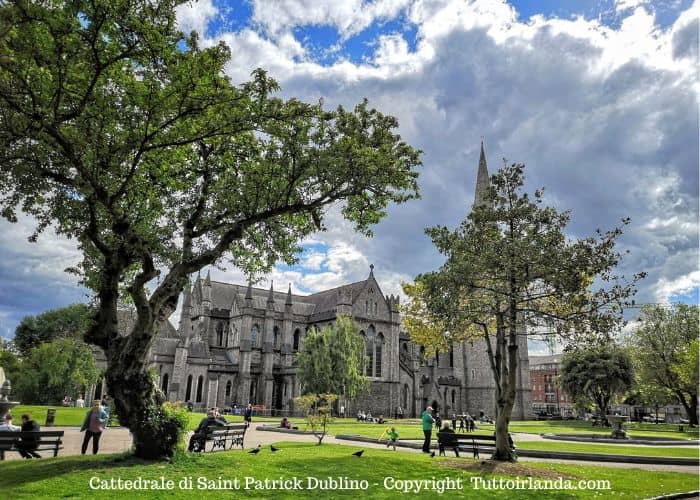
{"type": "Point", "coordinates": [332, 362]}
{"type": "Point", "coordinates": [510, 267]}
{"type": "Point", "coordinates": [54, 369]}
{"type": "Point", "coordinates": [665, 347]}
{"type": "Point", "coordinates": [65, 322]}
{"type": "Point", "coordinates": [597, 373]}
{"type": "Point", "coordinates": [319, 409]}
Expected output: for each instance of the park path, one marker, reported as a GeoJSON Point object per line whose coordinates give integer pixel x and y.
{"type": "Point", "coordinates": [118, 439]}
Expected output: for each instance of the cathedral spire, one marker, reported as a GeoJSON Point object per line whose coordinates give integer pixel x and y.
{"type": "Point", "coordinates": [186, 313]}
{"type": "Point", "coordinates": [371, 271]}
{"type": "Point", "coordinates": [289, 296]}
{"type": "Point", "coordinates": [271, 296]}
{"type": "Point", "coordinates": [249, 291]}
{"type": "Point", "coordinates": [482, 178]}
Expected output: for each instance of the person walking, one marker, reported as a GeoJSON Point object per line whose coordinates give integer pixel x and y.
{"type": "Point", "coordinates": [427, 422]}
{"type": "Point", "coordinates": [454, 422]}
{"type": "Point", "coordinates": [462, 427]}
{"type": "Point", "coordinates": [94, 425]}
{"type": "Point", "coordinates": [248, 414]}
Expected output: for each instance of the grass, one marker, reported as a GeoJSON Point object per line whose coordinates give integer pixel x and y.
{"type": "Point", "coordinates": [65, 416]}
{"type": "Point", "coordinates": [71, 476]}
{"type": "Point", "coordinates": [610, 449]}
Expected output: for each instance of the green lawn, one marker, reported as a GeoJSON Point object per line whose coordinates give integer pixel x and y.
{"type": "Point", "coordinates": [610, 449]}
{"type": "Point", "coordinates": [72, 476]}
{"type": "Point", "coordinates": [67, 416]}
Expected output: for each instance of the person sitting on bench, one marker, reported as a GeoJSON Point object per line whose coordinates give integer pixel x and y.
{"type": "Point", "coordinates": [27, 445]}
{"type": "Point", "coordinates": [199, 438]}
{"type": "Point", "coordinates": [447, 438]}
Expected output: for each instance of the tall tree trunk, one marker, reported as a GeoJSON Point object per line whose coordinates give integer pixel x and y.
{"type": "Point", "coordinates": [137, 400]}
{"type": "Point", "coordinates": [506, 396]}
{"type": "Point", "coordinates": [691, 407]}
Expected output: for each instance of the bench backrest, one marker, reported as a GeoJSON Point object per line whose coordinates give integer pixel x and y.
{"type": "Point", "coordinates": [8, 438]}
{"type": "Point", "coordinates": [452, 438]}
{"type": "Point", "coordinates": [227, 429]}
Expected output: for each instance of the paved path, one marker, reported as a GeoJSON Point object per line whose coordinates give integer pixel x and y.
{"type": "Point", "coordinates": [118, 439]}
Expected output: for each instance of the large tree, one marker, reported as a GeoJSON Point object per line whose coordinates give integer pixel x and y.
{"type": "Point", "coordinates": [331, 364]}
{"type": "Point", "coordinates": [510, 270]}
{"type": "Point", "coordinates": [127, 136]}
{"type": "Point", "coordinates": [55, 369]}
{"type": "Point", "coordinates": [333, 360]}
{"type": "Point", "coordinates": [65, 322]}
{"type": "Point", "coordinates": [665, 347]}
{"type": "Point", "coordinates": [597, 373]}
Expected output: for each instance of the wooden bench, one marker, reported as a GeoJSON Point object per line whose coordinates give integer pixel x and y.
{"type": "Point", "coordinates": [462, 442]}
{"type": "Point", "coordinates": [221, 435]}
{"type": "Point", "coordinates": [46, 441]}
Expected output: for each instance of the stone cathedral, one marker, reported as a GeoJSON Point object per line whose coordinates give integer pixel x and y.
{"type": "Point", "coordinates": [237, 344]}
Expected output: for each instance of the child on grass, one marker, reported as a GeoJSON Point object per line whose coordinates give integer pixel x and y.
{"type": "Point", "coordinates": [392, 437]}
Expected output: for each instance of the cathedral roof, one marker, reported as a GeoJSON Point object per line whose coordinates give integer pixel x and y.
{"type": "Point", "coordinates": [327, 300]}
{"type": "Point", "coordinates": [127, 317]}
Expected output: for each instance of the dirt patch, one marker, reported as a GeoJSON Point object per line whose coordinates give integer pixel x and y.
{"type": "Point", "coordinates": [504, 468]}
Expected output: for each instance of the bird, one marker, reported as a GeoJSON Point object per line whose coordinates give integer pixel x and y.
{"type": "Point", "coordinates": [273, 449]}
{"type": "Point", "coordinates": [359, 453]}
{"type": "Point", "coordinates": [255, 451]}
{"type": "Point", "coordinates": [432, 454]}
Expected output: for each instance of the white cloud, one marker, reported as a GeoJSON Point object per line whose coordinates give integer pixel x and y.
{"type": "Point", "coordinates": [666, 289]}
{"type": "Point", "coordinates": [195, 16]}
{"type": "Point", "coordinates": [348, 17]}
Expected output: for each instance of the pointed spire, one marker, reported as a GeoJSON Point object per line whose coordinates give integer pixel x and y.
{"type": "Point", "coordinates": [207, 281]}
{"type": "Point", "coordinates": [371, 270]}
{"type": "Point", "coordinates": [482, 178]}
{"type": "Point", "coordinates": [249, 291]}
{"type": "Point", "coordinates": [271, 296]}
{"type": "Point", "coordinates": [289, 296]}
{"type": "Point", "coordinates": [187, 302]}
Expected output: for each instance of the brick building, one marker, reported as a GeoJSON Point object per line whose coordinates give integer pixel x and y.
{"type": "Point", "coordinates": [547, 397]}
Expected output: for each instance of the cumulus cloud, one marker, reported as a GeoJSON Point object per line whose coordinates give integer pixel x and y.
{"type": "Point", "coordinates": [604, 116]}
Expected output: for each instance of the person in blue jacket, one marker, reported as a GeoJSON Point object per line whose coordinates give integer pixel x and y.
{"type": "Point", "coordinates": [94, 425]}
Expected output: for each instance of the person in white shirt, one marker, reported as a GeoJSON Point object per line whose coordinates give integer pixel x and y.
{"type": "Point", "coordinates": [80, 402]}
{"type": "Point", "coordinates": [7, 426]}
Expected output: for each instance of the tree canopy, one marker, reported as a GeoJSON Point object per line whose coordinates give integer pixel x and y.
{"type": "Point", "coordinates": [64, 366]}
{"type": "Point", "coordinates": [510, 271]}
{"type": "Point", "coordinates": [333, 360]}
{"type": "Point", "coordinates": [597, 373]}
{"type": "Point", "coordinates": [126, 135]}
{"type": "Point", "coordinates": [665, 347]}
{"type": "Point", "coordinates": [65, 322]}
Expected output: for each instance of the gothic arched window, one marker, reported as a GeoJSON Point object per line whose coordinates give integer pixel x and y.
{"type": "Point", "coordinates": [220, 333]}
{"type": "Point", "coordinates": [228, 388]}
{"type": "Point", "coordinates": [164, 384]}
{"type": "Point", "coordinates": [295, 342]}
{"type": "Point", "coordinates": [405, 397]}
{"type": "Point", "coordinates": [200, 387]}
{"type": "Point", "coordinates": [276, 337]}
{"type": "Point", "coordinates": [369, 351]}
{"type": "Point", "coordinates": [422, 355]}
{"type": "Point", "coordinates": [254, 336]}
{"type": "Point", "coordinates": [452, 356]}
{"type": "Point", "coordinates": [378, 355]}
{"type": "Point", "coordinates": [188, 392]}
{"type": "Point", "coordinates": [454, 396]}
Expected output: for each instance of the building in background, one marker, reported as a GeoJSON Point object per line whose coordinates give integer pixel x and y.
{"type": "Point", "coordinates": [548, 399]}
{"type": "Point", "coordinates": [237, 344]}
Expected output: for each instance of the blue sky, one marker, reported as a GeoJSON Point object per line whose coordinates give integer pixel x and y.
{"type": "Point", "coordinates": [597, 98]}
